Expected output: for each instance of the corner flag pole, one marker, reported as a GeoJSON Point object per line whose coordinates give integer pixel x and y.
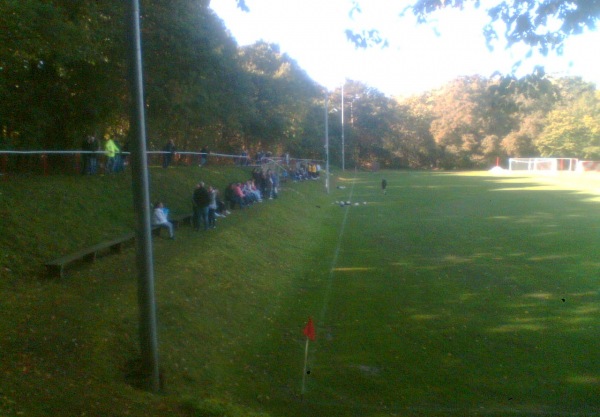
{"type": "Point", "coordinates": [309, 332]}
{"type": "Point", "coordinates": [305, 365]}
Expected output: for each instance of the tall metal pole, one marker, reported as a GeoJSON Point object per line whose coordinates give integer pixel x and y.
{"type": "Point", "coordinates": [343, 146]}
{"type": "Point", "coordinates": [141, 203]}
{"type": "Point", "coordinates": [327, 141]}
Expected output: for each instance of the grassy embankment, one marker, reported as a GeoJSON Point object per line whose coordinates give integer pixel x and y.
{"type": "Point", "coordinates": [452, 294]}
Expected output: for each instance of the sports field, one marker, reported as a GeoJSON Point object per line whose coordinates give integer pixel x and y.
{"type": "Point", "coordinates": [453, 294]}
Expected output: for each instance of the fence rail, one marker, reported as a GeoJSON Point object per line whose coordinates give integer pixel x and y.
{"type": "Point", "coordinates": [51, 162]}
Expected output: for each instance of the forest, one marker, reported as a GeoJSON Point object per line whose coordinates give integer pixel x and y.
{"type": "Point", "coordinates": [64, 75]}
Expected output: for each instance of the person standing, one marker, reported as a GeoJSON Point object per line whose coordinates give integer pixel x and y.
{"type": "Point", "coordinates": [90, 161]}
{"type": "Point", "coordinates": [201, 201]}
{"type": "Point", "coordinates": [169, 152]}
{"type": "Point", "coordinates": [384, 186]}
{"type": "Point", "coordinates": [203, 156]}
{"type": "Point", "coordinates": [110, 150]}
{"type": "Point", "coordinates": [244, 158]}
{"type": "Point", "coordinates": [212, 207]}
{"type": "Point", "coordinates": [274, 184]}
{"type": "Point", "coordinates": [118, 167]}
{"type": "Point", "coordinates": [124, 153]}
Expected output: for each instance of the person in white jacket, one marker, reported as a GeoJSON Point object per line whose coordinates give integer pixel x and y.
{"type": "Point", "coordinates": [159, 218]}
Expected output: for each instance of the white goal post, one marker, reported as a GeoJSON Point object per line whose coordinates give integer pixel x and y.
{"type": "Point", "coordinates": [542, 164]}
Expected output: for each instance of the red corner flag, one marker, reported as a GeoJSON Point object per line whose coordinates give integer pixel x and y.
{"type": "Point", "coordinates": [309, 330]}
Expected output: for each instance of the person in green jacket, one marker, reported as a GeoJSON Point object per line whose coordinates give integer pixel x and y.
{"type": "Point", "coordinates": [111, 150]}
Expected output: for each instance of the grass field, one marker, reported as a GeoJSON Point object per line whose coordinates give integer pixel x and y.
{"type": "Point", "coordinates": [454, 294]}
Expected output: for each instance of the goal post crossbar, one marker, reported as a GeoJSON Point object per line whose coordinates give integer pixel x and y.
{"type": "Point", "coordinates": [542, 164]}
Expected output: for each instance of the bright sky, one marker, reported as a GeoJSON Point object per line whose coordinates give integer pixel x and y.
{"type": "Point", "coordinates": [418, 58]}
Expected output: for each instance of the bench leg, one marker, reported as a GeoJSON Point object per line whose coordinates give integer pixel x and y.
{"type": "Point", "coordinates": [116, 248]}
{"type": "Point", "coordinates": [55, 270]}
{"type": "Point", "coordinates": [90, 257]}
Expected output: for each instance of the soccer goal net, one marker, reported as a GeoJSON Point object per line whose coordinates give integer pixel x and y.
{"type": "Point", "coordinates": [542, 164]}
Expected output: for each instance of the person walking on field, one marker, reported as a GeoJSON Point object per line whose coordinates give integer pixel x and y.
{"type": "Point", "coordinates": [384, 185]}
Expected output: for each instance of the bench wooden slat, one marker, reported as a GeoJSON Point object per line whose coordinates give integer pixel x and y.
{"type": "Point", "coordinates": [181, 219]}
{"type": "Point", "coordinates": [56, 266]}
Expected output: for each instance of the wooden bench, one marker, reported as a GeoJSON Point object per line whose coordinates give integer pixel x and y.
{"type": "Point", "coordinates": [57, 266]}
{"type": "Point", "coordinates": [181, 219]}
{"type": "Point", "coordinates": [175, 220]}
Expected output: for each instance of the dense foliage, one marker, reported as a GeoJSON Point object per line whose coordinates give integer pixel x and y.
{"type": "Point", "coordinates": [472, 121]}
{"type": "Point", "coordinates": [63, 75]}
{"type": "Point", "coordinates": [542, 25]}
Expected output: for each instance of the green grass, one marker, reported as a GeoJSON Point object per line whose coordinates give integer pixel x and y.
{"type": "Point", "coordinates": [454, 294]}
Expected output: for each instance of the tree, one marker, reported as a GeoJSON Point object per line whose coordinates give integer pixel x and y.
{"type": "Point", "coordinates": [532, 96]}
{"type": "Point", "coordinates": [414, 145]}
{"type": "Point", "coordinates": [282, 97]}
{"type": "Point", "coordinates": [374, 118]}
{"type": "Point", "coordinates": [540, 24]}
{"type": "Point", "coordinates": [63, 68]}
{"type": "Point", "coordinates": [530, 22]}
{"type": "Point", "coordinates": [56, 61]}
{"type": "Point", "coordinates": [193, 75]}
{"type": "Point", "coordinates": [573, 130]}
{"type": "Point", "coordinates": [463, 111]}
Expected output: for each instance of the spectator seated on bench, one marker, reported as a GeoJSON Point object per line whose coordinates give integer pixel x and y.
{"type": "Point", "coordinates": [159, 218]}
{"type": "Point", "coordinates": [251, 193]}
{"type": "Point", "coordinates": [239, 197]}
{"type": "Point", "coordinates": [217, 207]}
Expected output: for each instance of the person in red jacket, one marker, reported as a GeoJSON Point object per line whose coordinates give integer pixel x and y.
{"type": "Point", "coordinates": [238, 195]}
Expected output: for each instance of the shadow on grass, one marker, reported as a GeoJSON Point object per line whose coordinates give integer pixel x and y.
{"type": "Point", "coordinates": [458, 294]}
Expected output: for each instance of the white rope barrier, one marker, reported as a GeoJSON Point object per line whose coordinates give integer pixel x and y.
{"type": "Point", "coordinates": [282, 163]}
{"type": "Point", "coordinates": [52, 152]}
{"type": "Point", "coordinates": [209, 154]}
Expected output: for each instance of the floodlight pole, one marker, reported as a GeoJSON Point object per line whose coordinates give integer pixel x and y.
{"type": "Point", "coordinates": [343, 145]}
{"type": "Point", "coordinates": [141, 203]}
{"type": "Point", "coordinates": [327, 141]}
